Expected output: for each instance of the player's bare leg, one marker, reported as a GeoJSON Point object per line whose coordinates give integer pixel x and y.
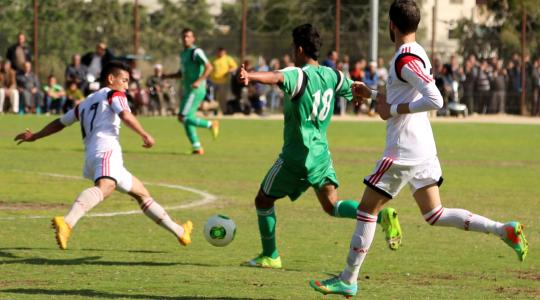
{"type": "Point", "coordinates": [266, 216]}
{"type": "Point", "coordinates": [429, 202]}
{"type": "Point", "coordinates": [86, 200]}
{"type": "Point", "coordinates": [346, 284]}
{"type": "Point", "coordinates": [387, 217]}
{"type": "Point", "coordinates": [154, 211]}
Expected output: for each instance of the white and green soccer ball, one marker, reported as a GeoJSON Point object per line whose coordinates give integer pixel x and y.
{"type": "Point", "coordinates": [219, 230]}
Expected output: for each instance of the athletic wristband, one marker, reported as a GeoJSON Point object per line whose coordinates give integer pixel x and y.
{"type": "Point", "coordinates": [393, 110]}
{"type": "Point", "coordinates": [374, 94]}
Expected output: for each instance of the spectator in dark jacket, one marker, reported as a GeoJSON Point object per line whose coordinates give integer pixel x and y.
{"type": "Point", "coordinates": [95, 61]}
{"type": "Point", "coordinates": [19, 53]}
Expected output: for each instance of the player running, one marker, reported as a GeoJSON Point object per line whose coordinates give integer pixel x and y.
{"type": "Point", "coordinates": [305, 160]}
{"type": "Point", "coordinates": [410, 156]}
{"type": "Point", "coordinates": [100, 116]}
{"type": "Point", "coordinates": [194, 70]}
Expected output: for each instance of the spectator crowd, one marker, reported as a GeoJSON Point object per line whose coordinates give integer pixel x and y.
{"type": "Point", "coordinates": [481, 85]}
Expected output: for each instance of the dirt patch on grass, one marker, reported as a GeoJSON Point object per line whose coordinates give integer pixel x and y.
{"type": "Point", "coordinates": [22, 282]}
{"type": "Point", "coordinates": [529, 275]}
{"type": "Point", "coordinates": [30, 206]}
{"type": "Point", "coordinates": [513, 291]}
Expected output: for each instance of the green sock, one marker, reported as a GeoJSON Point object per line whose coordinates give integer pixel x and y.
{"type": "Point", "coordinates": [191, 132]}
{"type": "Point", "coordinates": [348, 208]}
{"type": "Point", "coordinates": [198, 122]}
{"type": "Point", "coordinates": [267, 229]}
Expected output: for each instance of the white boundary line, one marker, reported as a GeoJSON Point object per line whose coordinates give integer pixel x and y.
{"type": "Point", "coordinates": [206, 198]}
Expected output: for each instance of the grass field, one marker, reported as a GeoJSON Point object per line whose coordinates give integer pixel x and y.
{"type": "Point", "coordinates": [493, 170]}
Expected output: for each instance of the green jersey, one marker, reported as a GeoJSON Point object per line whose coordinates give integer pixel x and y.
{"type": "Point", "coordinates": [310, 94]}
{"type": "Point", "coordinates": [193, 60]}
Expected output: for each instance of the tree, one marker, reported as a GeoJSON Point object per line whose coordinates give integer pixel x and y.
{"type": "Point", "coordinates": [502, 34]}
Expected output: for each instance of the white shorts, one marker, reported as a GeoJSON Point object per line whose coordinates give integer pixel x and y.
{"type": "Point", "coordinates": [108, 164]}
{"type": "Point", "coordinates": [389, 178]}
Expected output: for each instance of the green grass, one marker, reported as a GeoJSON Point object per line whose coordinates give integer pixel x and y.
{"type": "Point", "coordinates": [493, 170]}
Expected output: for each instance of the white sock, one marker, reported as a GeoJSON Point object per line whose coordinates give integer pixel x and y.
{"type": "Point", "coordinates": [86, 200]}
{"type": "Point", "coordinates": [463, 219]}
{"type": "Point", "coordinates": [155, 212]}
{"type": "Point", "coordinates": [360, 243]}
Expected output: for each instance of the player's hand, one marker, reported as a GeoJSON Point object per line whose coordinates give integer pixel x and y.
{"type": "Point", "coordinates": [243, 76]}
{"type": "Point", "coordinates": [148, 141]}
{"type": "Point", "coordinates": [361, 90]}
{"type": "Point", "coordinates": [26, 136]}
{"type": "Point", "coordinates": [195, 84]}
{"type": "Point", "coordinates": [383, 108]}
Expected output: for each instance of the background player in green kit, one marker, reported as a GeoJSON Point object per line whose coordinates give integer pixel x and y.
{"type": "Point", "coordinates": [305, 160]}
{"type": "Point", "coordinates": [194, 70]}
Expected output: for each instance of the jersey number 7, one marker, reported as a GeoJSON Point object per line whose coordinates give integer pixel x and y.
{"type": "Point", "coordinates": [93, 107]}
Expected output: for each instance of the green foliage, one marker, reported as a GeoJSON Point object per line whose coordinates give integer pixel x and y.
{"type": "Point", "coordinates": [503, 36]}
{"type": "Point", "coordinates": [76, 26]}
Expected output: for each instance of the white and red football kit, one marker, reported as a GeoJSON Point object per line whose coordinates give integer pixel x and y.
{"type": "Point", "coordinates": [100, 129]}
{"type": "Point", "coordinates": [410, 155]}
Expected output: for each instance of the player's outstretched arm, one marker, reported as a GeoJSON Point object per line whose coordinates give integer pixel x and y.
{"type": "Point", "coordinates": [29, 136]}
{"type": "Point", "coordinates": [173, 75]}
{"type": "Point", "coordinates": [132, 122]}
{"type": "Point", "coordinates": [261, 77]}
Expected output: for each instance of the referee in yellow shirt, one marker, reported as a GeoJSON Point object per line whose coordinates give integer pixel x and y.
{"type": "Point", "coordinates": [224, 66]}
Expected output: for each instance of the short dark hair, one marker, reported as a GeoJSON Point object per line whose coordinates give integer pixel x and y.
{"type": "Point", "coordinates": [113, 67]}
{"type": "Point", "coordinates": [405, 15]}
{"type": "Point", "coordinates": [186, 30]}
{"type": "Point", "coordinates": [307, 37]}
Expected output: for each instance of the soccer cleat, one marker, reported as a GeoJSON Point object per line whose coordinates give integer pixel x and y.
{"type": "Point", "coordinates": [215, 129]}
{"type": "Point", "coordinates": [391, 228]}
{"type": "Point", "coordinates": [62, 231]}
{"type": "Point", "coordinates": [199, 151]}
{"type": "Point", "coordinates": [185, 239]}
{"type": "Point", "coordinates": [334, 286]}
{"type": "Point", "coordinates": [515, 238]}
{"type": "Point", "coordinates": [262, 261]}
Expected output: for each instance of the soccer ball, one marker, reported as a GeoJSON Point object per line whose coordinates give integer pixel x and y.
{"type": "Point", "coordinates": [219, 230]}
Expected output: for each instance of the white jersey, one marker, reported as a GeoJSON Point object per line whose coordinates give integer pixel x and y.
{"type": "Point", "coordinates": [409, 139]}
{"type": "Point", "coordinates": [100, 123]}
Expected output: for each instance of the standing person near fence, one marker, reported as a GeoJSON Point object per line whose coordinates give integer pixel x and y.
{"type": "Point", "coordinates": [224, 66]}
{"type": "Point", "coordinates": [194, 70]}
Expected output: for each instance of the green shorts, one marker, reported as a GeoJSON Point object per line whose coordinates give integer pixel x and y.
{"type": "Point", "coordinates": [280, 181]}
{"type": "Point", "coordinates": [191, 100]}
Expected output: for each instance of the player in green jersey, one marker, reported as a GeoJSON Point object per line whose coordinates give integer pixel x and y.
{"type": "Point", "coordinates": [195, 68]}
{"type": "Point", "coordinates": [305, 159]}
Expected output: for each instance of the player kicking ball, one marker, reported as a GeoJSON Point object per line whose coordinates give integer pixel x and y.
{"type": "Point", "coordinates": [305, 159]}
{"type": "Point", "coordinates": [410, 156]}
{"type": "Point", "coordinates": [100, 115]}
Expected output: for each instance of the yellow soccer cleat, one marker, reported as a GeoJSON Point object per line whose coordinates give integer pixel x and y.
{"type": "Point", "coordinates": [185, 239]}
{"type": "Point", "coordinates": [215, 129]}
{"type": "Point", "coordinates": [62, 231]}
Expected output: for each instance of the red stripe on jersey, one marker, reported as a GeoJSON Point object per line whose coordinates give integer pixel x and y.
{"type": "Point", "coordinates": [116, 94]}
{"type": "Point", "coordinates": [406, 59]}
{"type": "Point", "coordinates": [418, 70]}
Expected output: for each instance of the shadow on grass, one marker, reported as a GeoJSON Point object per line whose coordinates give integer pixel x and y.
{"type": "Point", "coordinates": [106, 295]}
{"type": "Point", "coordinates": [94, 260]}
{"type": "Point", "coordinates": [83, 249]}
